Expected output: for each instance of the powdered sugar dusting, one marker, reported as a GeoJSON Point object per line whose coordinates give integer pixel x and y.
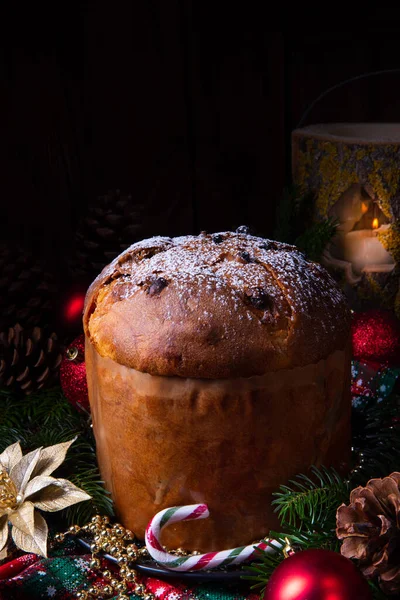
{"type": "Point", "coordinates": [240, 263]}
{"type": "Point", "coordinates": [215, 304]}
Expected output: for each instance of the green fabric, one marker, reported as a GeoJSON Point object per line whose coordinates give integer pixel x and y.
{"type": "Point", "coordinates": [67, 571]}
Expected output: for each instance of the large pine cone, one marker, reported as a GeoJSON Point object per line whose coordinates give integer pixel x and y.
{"type": "Point", "coordinates": [112, 223]}
{"type": "Point", "coordinates": [29, 360]}
{"type": "Point", "coordinates": [370, 528]}
{"type": "Point", "coordinates": [27, 289]}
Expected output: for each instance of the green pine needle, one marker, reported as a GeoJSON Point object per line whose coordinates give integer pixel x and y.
{"type": "Point", "coordinates": [90, 482]}
{"type": "Point", "coordinates": [10, 414]}
{"type": "Point", "coordinates": [297, 539]}
{"type": "Point", "coordinates": [10, 435]}
{"type": "Point", "coordinates": [310, 501]}
{"type": "Point", "coordinates": [265, 565]}
{"type": "Point", "coordinates": [295, 224]}
{"type": "Point", "coordinates": [293, 212]}
{"type": "Point", "coordinates": [285, 215]}
{"type": "Point", "coordinates": [315, 238]}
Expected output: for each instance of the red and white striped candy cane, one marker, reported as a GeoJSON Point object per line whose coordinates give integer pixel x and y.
{"type": "Point", "coordinates": [199, 562]}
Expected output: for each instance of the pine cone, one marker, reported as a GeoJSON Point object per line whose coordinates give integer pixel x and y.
{"type": "Point", "coordinates": [27, 290]}
{"type": "Point", "coordinates": [112, 223]}
{"type": "Point", "coordinates": [29, 360]}
{"type": "Point", "coordinates": [370, 528]}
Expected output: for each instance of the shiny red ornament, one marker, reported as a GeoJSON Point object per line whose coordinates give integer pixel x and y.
{"type": "Point", "coordinates": [74, 307]}
{"type": "Point", "coordinates": [73, 374]}
{"type": "Point", "coordinates": [70, 310]}
{"type": "Point", "coordinates": [317, 575]}
{"type": "Point", "coordinates": [376, 336]}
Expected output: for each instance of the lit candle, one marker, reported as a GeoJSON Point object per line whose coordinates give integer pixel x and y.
{"type": "Point", "coordinates": [363, 249]}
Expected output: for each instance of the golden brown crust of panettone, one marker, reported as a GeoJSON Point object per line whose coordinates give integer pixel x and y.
{"type": "Point", "coordinates": [215, 306]}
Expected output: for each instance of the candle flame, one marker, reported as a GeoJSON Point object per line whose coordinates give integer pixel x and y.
{"type": "Point", "coordinates": [364, 208]}
{"type": "Point", "coordinates": [375, 223]}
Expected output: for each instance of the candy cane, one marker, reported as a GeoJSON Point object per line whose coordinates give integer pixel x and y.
{"type": "Point", "coordinates": [199, 562]}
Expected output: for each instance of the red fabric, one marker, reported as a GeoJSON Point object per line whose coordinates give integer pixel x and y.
{"type": "Point", "coordinates": [14, 567]}
{"type": "Point", "coordinates": [31, 577]}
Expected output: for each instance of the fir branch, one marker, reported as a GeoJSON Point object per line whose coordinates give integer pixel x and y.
{"type": "Point", "coordinates": [294, 214]}
{"type": "Point", "coordinates": [295, 223]}
{"type": "Point", "coordinates": [10, 435]}
{"type": "Point", "coordinates": [285, 215]}
{"type": "Point", "coordinates": [306, 538]}
{"type": "Point", "coordinates": [90, 482]}
{"type": "Point", "coordinates": [10, 414]}
{"type": "Point", "coordinates": [47, 418]}
{"type": "Point", "coordinates": [315, 239]}
{"type": "Point", "coordinates": [50, 408]}
{"type": "Point", "coordinates": [310, 502]}
{"type": "Point", "coordinates": [297, 539]}
{"type": "Point", "coordinates": [266, 563]}
{"type": "Point", "coordinates": [41, 438]}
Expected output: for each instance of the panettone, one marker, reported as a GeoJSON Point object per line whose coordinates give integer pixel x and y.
{"type": "Point", "coordinates": [218, 367]}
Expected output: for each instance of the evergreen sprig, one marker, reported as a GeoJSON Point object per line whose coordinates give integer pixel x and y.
{"type": "Point", "coordinates": [295, 223]}
{"type": "Point", "coordinates": [267, 561]}
{"type": "Point", "coordinates": [90, 481]}
{"type": "Point", "coordinates": [307, 514]}
{"type": "Point", "coordinates": [293, 539]}
{"type": "Point", "coordinates": [310, 500]}
{"type": "Point", "coordinates": [46, 418]}
{"type": "Point", "coordinates": [315, 238]}
{"type": "Point", "coordinates": [294, 214]}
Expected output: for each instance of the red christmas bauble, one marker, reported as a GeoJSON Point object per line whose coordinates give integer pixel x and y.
{"type": "Point", "coordinates": [74, 307]}
{"type": "Point", "coordinates": [70, 310]}
{"type": "Point", "coordinates": [317, 575]}
{"type": "Point", "coordinates": [376, 336]}
{"type": "Point", "coordinates": [73, 374]}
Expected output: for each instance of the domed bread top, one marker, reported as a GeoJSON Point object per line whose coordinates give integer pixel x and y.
{"type": "Point", "coordinates": [215, 306]}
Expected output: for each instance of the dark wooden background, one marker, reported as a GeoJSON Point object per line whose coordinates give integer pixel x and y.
{"type": "Point", "coordinates": [188, 111]}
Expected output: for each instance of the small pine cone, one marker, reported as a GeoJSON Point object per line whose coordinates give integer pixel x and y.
{"type": "Point", "coordinates": [27, 289]}
{"type": "Point", "coordinates": [29, 359]}
{"type": "Point", "coordinates": [112, 223]}
{"type": "Point", "coordinates": [370, 528]}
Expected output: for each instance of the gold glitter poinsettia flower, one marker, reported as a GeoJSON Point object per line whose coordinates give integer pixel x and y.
{"type": "Point", "coordinates": [26, 485]}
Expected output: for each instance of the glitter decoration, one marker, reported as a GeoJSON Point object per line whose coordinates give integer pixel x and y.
{"type": "Point", "coordinates": [73, 375]}
{"type": "Point", "coordinates": [376, 336]}
{"type": "Point", "coordinates": [371, 379]}
{"type": "Point", "coordinates": [25, 485]}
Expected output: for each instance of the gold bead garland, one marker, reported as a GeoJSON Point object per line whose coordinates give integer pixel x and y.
{"type": "Point", "coordinates": [121, 544]}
